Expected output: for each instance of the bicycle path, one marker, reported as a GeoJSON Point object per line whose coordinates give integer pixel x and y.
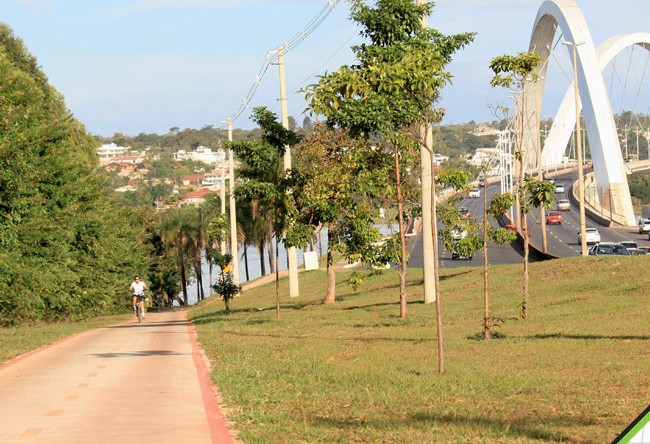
{"type": "Point", "coordinates": [126, 383]}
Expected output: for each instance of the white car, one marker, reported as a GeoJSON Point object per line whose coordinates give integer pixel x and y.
{"type": "Point", "coordinates": [644, 225]}
{"type": "Point", "coordinates": [592, 236]}
{"type": "Point", "coordinates": [458, 234]}
{"type": "Point", "coordinates": [563, 205]}
{"type": "Point", "coordinates": [475, 193]}
{"type": "Point", "coordinates": [559, 188]}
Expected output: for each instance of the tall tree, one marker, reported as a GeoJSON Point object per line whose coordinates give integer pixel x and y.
{"type": "Point", "coordinates": [392, 89]}
{"type": "Point", "coordinates": [64, 246]}
{"type": "Point", "coordinates": [336, 184]}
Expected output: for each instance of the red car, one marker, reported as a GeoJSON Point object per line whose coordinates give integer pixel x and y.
{"type": "Point", "coordinates": [554, 217]}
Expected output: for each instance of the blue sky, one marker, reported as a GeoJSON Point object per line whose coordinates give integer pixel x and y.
{"type": "Point", "coordinates": [145, 66]}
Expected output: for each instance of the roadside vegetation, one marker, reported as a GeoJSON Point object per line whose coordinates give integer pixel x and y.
{"type": "Point", "coordinates": [574, 371]}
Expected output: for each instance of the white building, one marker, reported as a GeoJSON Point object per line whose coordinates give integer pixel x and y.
{"type": "Point", "coordinates": [202, 154]}
{"type": "Point", "coordinates": [486, 156]}
{"type": "Point", "coordinates": [111, 151]}
{"type": "Point", "coordinates": [439, 158]}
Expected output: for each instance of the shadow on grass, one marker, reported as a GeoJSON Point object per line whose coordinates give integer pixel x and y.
{"type": "Point", "coordinates": [519, 428]}
{"type": "Point", "coordinates": [587, 337]}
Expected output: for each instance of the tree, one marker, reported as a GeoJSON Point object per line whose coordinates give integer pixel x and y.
{"type": "Point", "coordinates": [266, 182]}
{"type": "Point", "coordinates": [497, 208]}
{"type": "Point", "coordinates": [517, 71]}
{"type": "Point", "coordinates": [335, 183]}
{"type": "Point", "coordinates": [391, 90]}
{"type": "Point", "coordinates": [65, 247]}
{"type": "Point", "coordinates": [225, 286]}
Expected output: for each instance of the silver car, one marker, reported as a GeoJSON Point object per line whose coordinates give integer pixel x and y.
{"type": "Point", "coordinates": [563, 205]}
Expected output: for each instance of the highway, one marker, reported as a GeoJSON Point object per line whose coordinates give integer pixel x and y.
{"type": "Point", "coordinates": [562, 240]}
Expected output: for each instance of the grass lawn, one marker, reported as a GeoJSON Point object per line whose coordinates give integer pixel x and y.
{"type": "Point", "coordinates": [576, 371]}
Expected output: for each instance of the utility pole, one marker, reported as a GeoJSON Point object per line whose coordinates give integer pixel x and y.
{"type": "Point", "coordinates": [292, 253]}
{"type": "Point", "coordinates": [581, 182]}
{"type": "Point", "coordinates": [234, 245]}
{"type": "Point", "coordinates": [429, 253]}
{"type": "Point", "coordinates": [222, 197]}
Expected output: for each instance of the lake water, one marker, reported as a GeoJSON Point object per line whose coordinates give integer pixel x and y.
{"type": "Point", "coordinates": [255, 267]}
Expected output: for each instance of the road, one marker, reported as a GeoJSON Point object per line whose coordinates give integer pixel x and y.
{"type": "Point", "coordinates": [497, 254]}
{"type": "Point", "coordinates": [562, 240]}
{"type": "Point", "coordinates": [127, 383]}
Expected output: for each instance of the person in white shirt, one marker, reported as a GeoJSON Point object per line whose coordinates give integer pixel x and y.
{"type": "Point", "coordinates": [137, 290]}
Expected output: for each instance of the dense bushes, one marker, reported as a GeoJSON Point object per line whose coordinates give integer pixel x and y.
{"type": "Point", "coordinates": [65, 251]}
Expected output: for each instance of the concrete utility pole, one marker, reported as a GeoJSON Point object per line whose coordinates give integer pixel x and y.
{"type": "Point", "coordinates": [292, 253]}
{"type": "Point", "coordinates": [581, 181]}
{"type": "Point", "coordinates": [426, 173]}
{"type": "Point", "coordinates": [222, 197]}
{"type": "Point", "coordinates": [234, 245]}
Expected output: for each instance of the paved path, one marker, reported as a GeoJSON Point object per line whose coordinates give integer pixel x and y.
{"type": "Point", "coordinates": [127, 383]}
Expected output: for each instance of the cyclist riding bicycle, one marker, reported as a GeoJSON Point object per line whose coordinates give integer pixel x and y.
{"type": "Point", "coordinates": [137, 289]}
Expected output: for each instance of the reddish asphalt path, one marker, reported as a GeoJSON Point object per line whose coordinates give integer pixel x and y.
{"type": "Point", "coordinates": [127, 383]}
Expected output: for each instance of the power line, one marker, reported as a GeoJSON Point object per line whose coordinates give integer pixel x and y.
{"type": "Point", "coordinates": [272, 55]}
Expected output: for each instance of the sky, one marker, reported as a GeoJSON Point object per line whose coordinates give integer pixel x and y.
{"type": "Point", "coordinates": [146, 66]}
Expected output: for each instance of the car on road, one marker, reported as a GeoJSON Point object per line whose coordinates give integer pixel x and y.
{"type": "Point", "coordinates": [608, 249]}
{"type": "Point", "coordinates": [481, 182]}
{"type": "Point", "coordinates": [644, 225]}
{"type": "Point", "coordinates": [592, 236]}
{"type": "Point", "coordinates": [633, 247]}
{"type": "Point", "coordinates": [559, 188]}
{"type": "Point", "coordinates": [551, 180]}
{"type": "Point", "coordinates": [563, 205]}
{"type": "Point", "coordinates": [464, 211]}
{"type": "Point", "coordinates": [458, 234]}
{"type": "Point", "coordinates": [554, 217]}
{"type": "Point", "coordinates": [474, 193]}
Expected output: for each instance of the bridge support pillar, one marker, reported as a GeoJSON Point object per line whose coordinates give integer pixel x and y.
{"type": "Point", "coordinates": [616, 198]}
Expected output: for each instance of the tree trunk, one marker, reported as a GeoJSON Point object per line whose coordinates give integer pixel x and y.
{"type": "Point", "coordinates": [246, 261]}
{"type": "Point", "coordinates": [260, 249]}
{"type": "Point", "coordinates": [486, 300]}
{"type": "Point", "coordinates": [436, 271]}
{"type": "Point", "coordinates": [181, 268]}
{"type": "Point", "coordinates": [331, 274]}
{"type": "Point", "coordinates": [403, 313]}
{"type": "Point", "coordinates": [272, 256]}
{"type": "Point", "coordinates": [277, 283]}
{"type": "Point", "coordinates": [524, 229]}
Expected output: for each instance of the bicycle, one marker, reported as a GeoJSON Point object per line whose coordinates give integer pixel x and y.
{"type": "Point", "coordinates": [139, 307]}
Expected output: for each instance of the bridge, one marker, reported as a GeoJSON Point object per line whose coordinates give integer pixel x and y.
{"type": "Point", "coordinates": [562, 21]}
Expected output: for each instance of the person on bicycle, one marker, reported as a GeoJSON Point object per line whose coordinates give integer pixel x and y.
{"type": "Point", "coordinates": [137, 290]}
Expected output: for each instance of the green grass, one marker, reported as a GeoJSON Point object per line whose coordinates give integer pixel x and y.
{"type": "Point", "coordinates": [15, 341]}
{"type": "Point", "coordinates": [575, 371]}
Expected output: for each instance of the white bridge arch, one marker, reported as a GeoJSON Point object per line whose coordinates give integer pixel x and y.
{"type": "Point", "coordinates": [609, 170]}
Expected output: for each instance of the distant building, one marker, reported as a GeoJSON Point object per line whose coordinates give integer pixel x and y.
{"type": "Point", "coordinates": [113, 153]}
{"type": "Point", "coordinates": [202, 154]}
{"type": "Point", "coordinates": [484, 130]}
{"type": "Point", "coordinates": [439, 158]}
{"type": "Point", "coordinates": [197, 197]}
{"type": "Point", "coordinates": [192, 180]}
{"type": "Point", "coordinates": [213, 179]}
{"type": "Point", "coordinates": [486, 156]}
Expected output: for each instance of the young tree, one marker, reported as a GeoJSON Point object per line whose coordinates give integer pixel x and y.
{"type": "Point", "coordinates": [518, 71]}
{"type": "Point", "coordinates": [267, 184]}
{"type": "Point", "coordinates": [499, 204]}
{"type": "Point", "coordinates": [225, 286]}
{"type": "Point", "coordinates": [392, 89]}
